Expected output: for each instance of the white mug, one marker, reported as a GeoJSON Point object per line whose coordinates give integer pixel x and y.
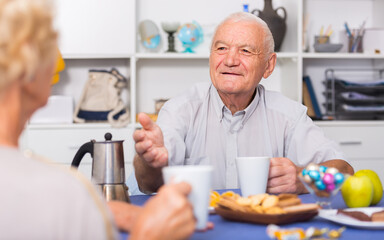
{"type": "Point", "coordinates": [200, 178]}
{"type": "Point", "coordinates": [253, 174]}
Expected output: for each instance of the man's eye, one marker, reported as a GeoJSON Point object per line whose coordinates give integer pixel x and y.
{"type": "Point", "coordinates": [245, 51]}
{"type": "Point", "coordinates": [221, 48]}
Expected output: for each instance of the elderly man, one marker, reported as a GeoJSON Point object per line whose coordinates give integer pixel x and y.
{"type": "Point", "coordinates": [234, 116]}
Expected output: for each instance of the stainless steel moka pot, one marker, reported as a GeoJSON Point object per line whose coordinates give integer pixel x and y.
{"type": "Point", "coordinates": [108, 172]}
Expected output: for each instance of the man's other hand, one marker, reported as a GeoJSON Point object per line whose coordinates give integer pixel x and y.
{"type": "Point", "coordinates": [149, 143]}
{"type": "Point", "coordinates": [283, 177]}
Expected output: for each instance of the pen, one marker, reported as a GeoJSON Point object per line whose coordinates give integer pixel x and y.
{"type": "Point", "coordinates": [347, 29]}
{"type": "Point", "coordinates": [321, 30]}
{"type": "Point", "coordinates": [361, 29]}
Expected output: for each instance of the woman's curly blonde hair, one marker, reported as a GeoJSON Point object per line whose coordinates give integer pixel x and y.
{"type": "Point", "coordinates": [27, 39]}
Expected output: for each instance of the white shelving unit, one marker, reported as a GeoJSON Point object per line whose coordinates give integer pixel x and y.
{"type": "Point", "coordinates": [101, 35]}
{"type": "Point", "coordinates": [359, 140]}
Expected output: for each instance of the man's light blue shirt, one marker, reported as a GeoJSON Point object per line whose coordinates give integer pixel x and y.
{"type": "Point", "coordinates": [198, 124]}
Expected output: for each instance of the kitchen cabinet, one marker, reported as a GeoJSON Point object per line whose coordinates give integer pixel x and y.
{"type": "Point", "coordinates": [362, 142]}
{"type": "Point", "coordinates": [61, 142]}
{"type": "Point", "coordinates": [103, 34]}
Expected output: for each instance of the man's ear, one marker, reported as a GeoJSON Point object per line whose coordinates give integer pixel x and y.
{"type": "Point", "coordinates": [271, 63]}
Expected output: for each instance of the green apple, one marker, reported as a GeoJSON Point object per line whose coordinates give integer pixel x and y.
{"type": "Point", "coordinates": [357, 191]}
{"type": "Point", "coordinates": [377, 186]}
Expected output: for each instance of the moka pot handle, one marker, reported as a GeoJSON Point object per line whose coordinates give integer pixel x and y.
{"type": "Point", "coordinates": [85, 148]}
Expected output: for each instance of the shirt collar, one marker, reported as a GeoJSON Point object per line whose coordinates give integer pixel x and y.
{"type": "Point", "coordinates": [219, 106]}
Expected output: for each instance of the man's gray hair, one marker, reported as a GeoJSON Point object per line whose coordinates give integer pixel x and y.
{"type": "Point", "coordinates": [269, 43]}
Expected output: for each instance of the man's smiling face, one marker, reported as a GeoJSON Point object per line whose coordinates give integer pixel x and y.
{"type": "Point", "coordinates": [238, 59]}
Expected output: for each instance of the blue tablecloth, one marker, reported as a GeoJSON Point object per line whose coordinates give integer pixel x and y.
{"type": "Point", "coordinates": [225, 229]}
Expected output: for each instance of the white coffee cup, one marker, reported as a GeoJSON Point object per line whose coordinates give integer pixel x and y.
{"type": "Point", "coordinates": [200, 178]}
{"type": "Point", "coordinates": [253, 174]}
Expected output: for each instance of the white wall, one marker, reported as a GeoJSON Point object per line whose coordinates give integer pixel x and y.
{"type": "Point", "coordinates": [96, 26]}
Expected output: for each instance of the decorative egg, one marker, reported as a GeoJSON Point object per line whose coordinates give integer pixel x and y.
{"type": "Point", "coordinates": [304, 172]}
{"type": "Point", "coordinates": [338, 178]}
{"type": "Point", "coordinates": [322, 168]}
{"type": "Point", "coordinates": [332, 170]}
{"type": "Point", "coordinates": [320, 185]}
{"type": "Point", "coordinates": [315, 175]}
{"type": "Point", "coordinates": [330, 187]}
{"type": "Point", "coordinates": [328, 178]}
{"type": "Point", "coordinates": [312, 166]}
{"type": "Point", "coordinates": [307, 178]}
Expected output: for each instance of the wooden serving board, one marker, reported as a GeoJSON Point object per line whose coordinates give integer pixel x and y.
{"type": "Point", "coordinates": [259, 218]}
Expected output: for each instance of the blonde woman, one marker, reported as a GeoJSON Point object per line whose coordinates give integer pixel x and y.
{"type": "Point", "coordinates": [39, 200]}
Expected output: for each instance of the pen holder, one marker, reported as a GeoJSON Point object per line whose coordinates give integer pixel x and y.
{"type": "Point", "coordinates": [321, 39]}
{"type": "Point", "coordinates": [355, 44]}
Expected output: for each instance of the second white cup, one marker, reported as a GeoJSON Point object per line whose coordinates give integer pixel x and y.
{"type": "Point", "coordinates": [200, 178]}
{"type": "Point", "coordinates": [253, 174]}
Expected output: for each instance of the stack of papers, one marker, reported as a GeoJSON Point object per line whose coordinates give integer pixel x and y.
{"type": "Point", "coordinates": [351, 108]}
{"type": "Point", "coordinates": [356, 96]}
{"type": "Point", "coordinates": [377, 83]}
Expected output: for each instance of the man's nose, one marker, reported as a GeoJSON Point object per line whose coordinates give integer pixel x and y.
{"type": "Point", "coordinates": [232, 58]}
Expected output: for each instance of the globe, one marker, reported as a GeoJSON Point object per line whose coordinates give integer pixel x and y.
{"type": "Point", "coordinates": [152, 41]}
{"type": "Point", "coordinates": [149, 35]}
{"type": "Point", "coordinates": [190, 35]}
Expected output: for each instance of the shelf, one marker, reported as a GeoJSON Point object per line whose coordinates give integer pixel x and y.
{"type": "Point", "coordinates": [351, 123]}
{"type": "Point", "coordinates": [96, 56]}
{"type": "Point", "coordinates": [197, 55]}
{"type": "Point", "coordinates": [342, 56]}
{"type": "Point", "coordinates": [76, 126]}
{"type": "Point", "coordinates": [172, 56]}
{"type": "Point", "coordinates": [138, 125]}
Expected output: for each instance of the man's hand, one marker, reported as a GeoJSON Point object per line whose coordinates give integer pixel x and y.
{"type": "Point", "coordinates": [168, 215]}
{"type": "Point", "coordinates": [283, 177]}
{"type": "Point", "coordinates": [149, 143]}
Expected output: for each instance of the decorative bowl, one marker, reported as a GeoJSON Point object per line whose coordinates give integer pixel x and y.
{"type": "Point", "coordinates": [323, 183]}
{"type": "Point", "coordinates": [327, 47]}
{"type": "Point", "coordinates": [170, 27]}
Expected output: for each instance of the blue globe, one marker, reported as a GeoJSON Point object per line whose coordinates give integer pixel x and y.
{"type": "Point", "coordinates": [152, 42]}
{"type": "Point", "coordinates": [190, 35]}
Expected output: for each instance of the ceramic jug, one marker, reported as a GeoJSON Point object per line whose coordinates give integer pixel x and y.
{"type": "Point", "coordinates": [275, 22]}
